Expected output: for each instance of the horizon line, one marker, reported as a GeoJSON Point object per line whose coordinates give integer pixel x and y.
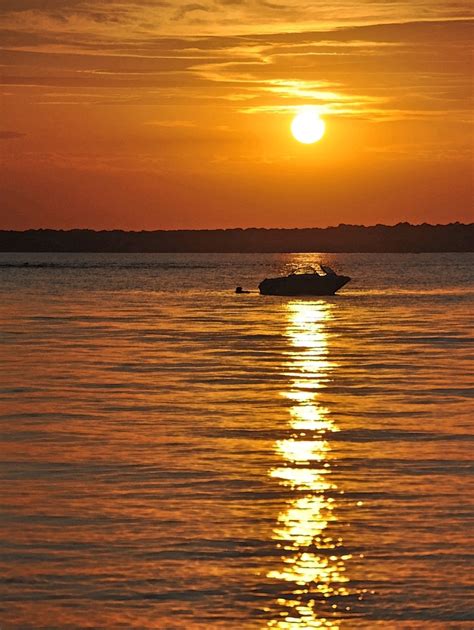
{"type": "Point", "coordinates": [238, 228]}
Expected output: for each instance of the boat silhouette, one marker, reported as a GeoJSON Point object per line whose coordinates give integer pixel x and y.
{"type": "Point", "coordinates": [305, 281]}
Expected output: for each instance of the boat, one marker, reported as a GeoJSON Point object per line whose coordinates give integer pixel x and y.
{"type": "Point", "coordinates": [305, 281]}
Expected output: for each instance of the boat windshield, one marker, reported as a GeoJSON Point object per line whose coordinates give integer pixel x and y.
{"type": "Point", "coordinates": [305, 270]}
{"type": "Point", "coordinates": [318, 270]}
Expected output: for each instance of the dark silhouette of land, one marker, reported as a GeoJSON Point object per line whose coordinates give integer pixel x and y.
{"type": "Point", "coordinates": [403, 237]}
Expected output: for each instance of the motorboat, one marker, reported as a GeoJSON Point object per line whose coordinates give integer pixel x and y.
{"type": "Point", "coordinates": [305, 281]}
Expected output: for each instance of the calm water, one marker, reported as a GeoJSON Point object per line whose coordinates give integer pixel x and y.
{"type": "Point", "coordinates": [176, 456]}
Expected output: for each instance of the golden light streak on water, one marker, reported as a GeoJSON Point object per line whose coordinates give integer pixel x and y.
{"type": "Point", "coordinates": [310, 560]}
{"type": "Point", "coordinates": [311, 418]}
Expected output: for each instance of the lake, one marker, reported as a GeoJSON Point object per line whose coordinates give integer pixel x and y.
{"type": "Point", "coordinates": [174, 455]}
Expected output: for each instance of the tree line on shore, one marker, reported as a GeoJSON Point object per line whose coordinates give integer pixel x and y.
{"type": "Point", "coordinates": [403, 237]}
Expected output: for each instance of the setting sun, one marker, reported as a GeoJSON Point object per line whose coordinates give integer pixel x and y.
{"type": "Point", "coordinates": [307, 127]}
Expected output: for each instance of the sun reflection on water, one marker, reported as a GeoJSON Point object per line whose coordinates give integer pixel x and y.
{"type": "Point", "coordinates": [312, 562]}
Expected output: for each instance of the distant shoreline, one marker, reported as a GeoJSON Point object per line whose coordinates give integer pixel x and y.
{"type": "Point", "coordinates": [400, 238]}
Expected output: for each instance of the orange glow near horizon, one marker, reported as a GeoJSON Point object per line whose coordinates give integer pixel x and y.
{"type": "Point", "coordinates": [138, 116]}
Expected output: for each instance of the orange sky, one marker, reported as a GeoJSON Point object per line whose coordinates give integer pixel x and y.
{"type": "Point", "coordinates": [174, 114]}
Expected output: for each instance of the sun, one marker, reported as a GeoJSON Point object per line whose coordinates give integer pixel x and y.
{"type": "Point", "coordinates": [307, 127]}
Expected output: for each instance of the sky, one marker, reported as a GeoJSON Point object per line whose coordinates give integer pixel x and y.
{"type": "Point", "coordinates": [121, 114]}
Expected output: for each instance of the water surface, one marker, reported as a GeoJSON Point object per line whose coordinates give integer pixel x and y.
{"type": "Point", "coordinates": [178, 456]}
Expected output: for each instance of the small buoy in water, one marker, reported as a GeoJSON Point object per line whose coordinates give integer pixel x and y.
{"type": "Point", "coordinates": [240, 290]}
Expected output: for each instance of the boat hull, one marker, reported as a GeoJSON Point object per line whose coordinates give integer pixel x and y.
{"type": "Point", "coordinates": [303, 284]}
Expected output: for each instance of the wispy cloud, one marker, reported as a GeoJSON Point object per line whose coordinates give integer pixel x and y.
{"type": "Point", "coordinates": [358, 63]}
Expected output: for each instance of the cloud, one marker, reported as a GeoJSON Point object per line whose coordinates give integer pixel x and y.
{"type": "Point", "coordinates": [133, 20]}
{"type": "Point", "coordinates": [190, 8]}
{"type": "Point", "coordinates": [19, 6]}
{"type": "Point", "coordinates": [347, 57]}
